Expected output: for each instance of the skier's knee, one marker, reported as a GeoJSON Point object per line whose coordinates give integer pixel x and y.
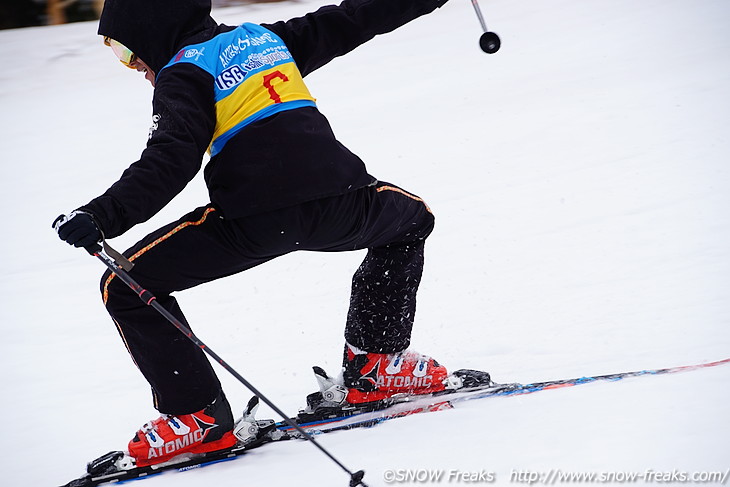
{"type": "Point", "coordinates": [113, 290]}
{"type": "Point", "coordinates": [422, 227]}
{"type": "Point", "coordinates": [429, 223]}
{"type": "Point", "coordinates": [104, 285]}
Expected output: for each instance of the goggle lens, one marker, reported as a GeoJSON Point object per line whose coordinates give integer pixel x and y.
{"type": "Point", "coordinates": [122, 52]}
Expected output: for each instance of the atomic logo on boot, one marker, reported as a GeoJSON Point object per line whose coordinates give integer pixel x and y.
{"type": "Point", "coordinates": [185, 439]}
{"type": "Point", "coordinates": [397, 378]}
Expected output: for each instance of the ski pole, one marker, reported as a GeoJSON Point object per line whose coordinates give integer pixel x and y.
{"type": "Point", "coordinates": [149, 299]}
{"type": "Point", "coordinates": [489, 41]}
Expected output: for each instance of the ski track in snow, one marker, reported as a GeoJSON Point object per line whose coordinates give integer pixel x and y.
{"type": "Point", "coordinates": [581, 185]}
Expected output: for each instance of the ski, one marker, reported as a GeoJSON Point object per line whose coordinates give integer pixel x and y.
{"type": "Point", "coordinates": [326, 411]}
{"type": "Point", "coordinates": [446, 400]}
{"type": "Point", "coordinates": [110, 468]}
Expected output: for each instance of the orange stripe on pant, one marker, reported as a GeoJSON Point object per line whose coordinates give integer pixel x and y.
{"type": "Point", "coordinates": [153, 244]}
{"type": "Point", "coordinates": [405, 193]}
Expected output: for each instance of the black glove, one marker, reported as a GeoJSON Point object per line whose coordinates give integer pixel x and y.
{"type": "Point", "coordinates": [78, 229]}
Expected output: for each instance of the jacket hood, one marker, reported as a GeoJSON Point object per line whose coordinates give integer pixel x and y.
{"type": "Point", "coordinates": [155, 30]}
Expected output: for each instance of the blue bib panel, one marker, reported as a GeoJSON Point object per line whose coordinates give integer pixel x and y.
{"type": "Point", "coordinates": [255, 77]}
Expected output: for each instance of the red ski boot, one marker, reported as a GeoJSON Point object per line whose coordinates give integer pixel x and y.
{"type": "Point", "coordinates": [377, 376]}
{"type": "Point", "coordinates": [170, 436]}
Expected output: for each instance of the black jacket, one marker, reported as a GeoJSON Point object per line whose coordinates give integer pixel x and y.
{"type": "Point", "coordinates": [283, 160]}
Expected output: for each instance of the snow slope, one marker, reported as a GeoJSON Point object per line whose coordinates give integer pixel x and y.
{"type": "Point", "coordinates": [581, 183]}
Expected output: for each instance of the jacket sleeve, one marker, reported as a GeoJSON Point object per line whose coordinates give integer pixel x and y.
{"type": "Point", "coordinates": [183, 125]}
{"type": "Point", "coordinates": [318, 37]}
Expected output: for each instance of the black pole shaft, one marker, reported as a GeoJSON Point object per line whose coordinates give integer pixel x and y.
{"type": "Point", "coordinates": [149, 299]}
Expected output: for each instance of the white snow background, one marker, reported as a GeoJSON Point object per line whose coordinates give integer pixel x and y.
{"type": "Point", "coordinates": [580, 178]}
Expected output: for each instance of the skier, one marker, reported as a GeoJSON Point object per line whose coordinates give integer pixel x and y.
{"type": "Point", "coordinates": [278, 180]}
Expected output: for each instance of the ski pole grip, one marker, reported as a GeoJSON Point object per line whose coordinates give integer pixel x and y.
{"type": "Point", "coordinates": [93, 249]}
{"type": "Point", "coordinates": [121, 261]}
{"type": "Point", "coordinates": [118, 258]}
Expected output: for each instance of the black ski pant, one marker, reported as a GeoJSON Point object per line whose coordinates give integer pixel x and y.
{"type": "Point", "coordinates": [203, 245]}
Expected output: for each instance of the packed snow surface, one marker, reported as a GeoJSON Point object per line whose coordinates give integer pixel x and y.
{"type": "Point", "coordinates": [580, 178]}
